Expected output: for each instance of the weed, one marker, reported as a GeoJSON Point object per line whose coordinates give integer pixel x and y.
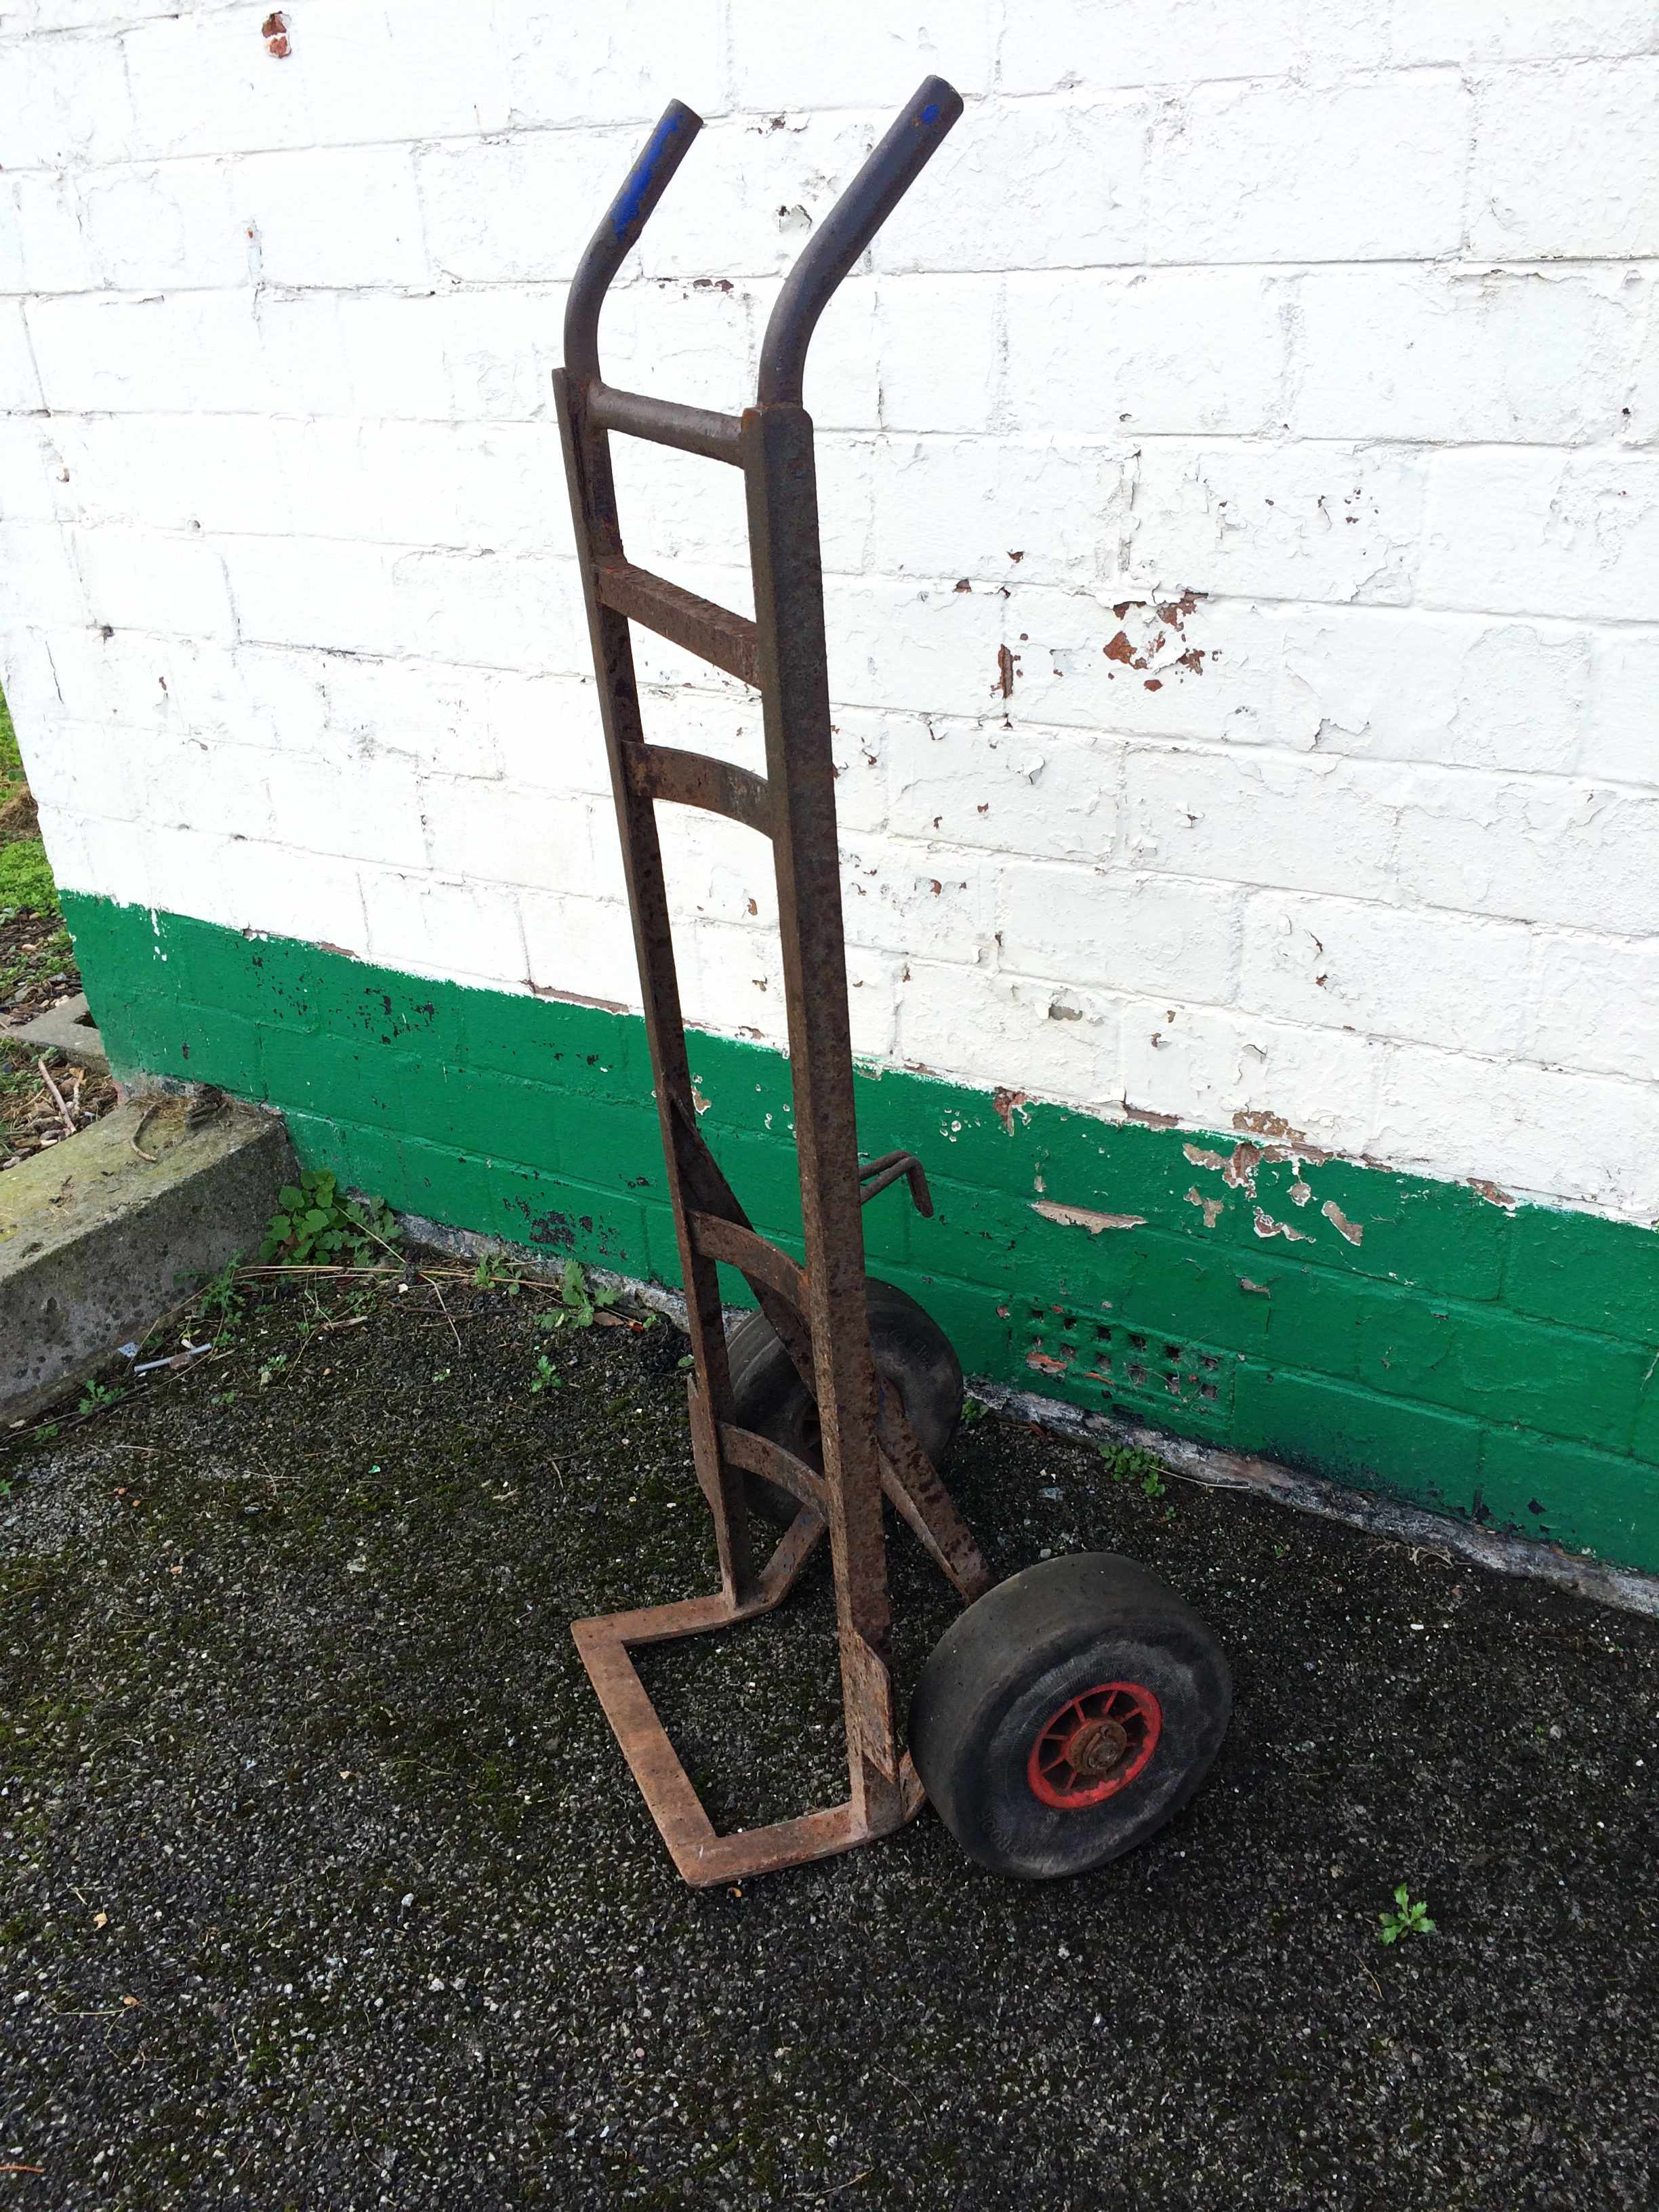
{"type": "Point", "coordinates": [314, 1222]}
{"type": "Point", "coordinates": [578, 1303]}
{"type": "Point", "coordinates": [1410, 1918]}
{"type": "Point", "coordinates": [493, 1274]}
{"type": "Point", "coordinates": [96, 1396]}
{"type": "Point", "coordinates": [219, 1301]}
{"type": "Point", "coordinates": [973, 1410]}
{"type": "Point", "coordinates": [544, 1378]}
{"type": "Point", "coordinates": [1128, 1464]}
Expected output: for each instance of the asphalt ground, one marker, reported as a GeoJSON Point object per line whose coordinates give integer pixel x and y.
{"type": "Point", "coordinates": [323, 1885]}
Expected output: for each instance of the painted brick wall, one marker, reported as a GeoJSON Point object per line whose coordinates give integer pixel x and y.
{"type": "Point", "coordinates": [1278, 385]}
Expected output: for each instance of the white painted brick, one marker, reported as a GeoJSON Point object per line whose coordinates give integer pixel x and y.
{"type": "Point", "coordinates": [20, 385]}
{"type": "Point", "coordinates": [1624, 739]}
{"type": "Point", "coordinates": [1307, 521]}
{"type": "Point", "coordinates": [428, 484]}
{"type": "Point", "coordinates": [370, 71]}
{"type": "Point", "coordinates": [732, 979]}
{"type": "Point", "coordinates": [358, 807]}
{"type": "Point", "coordinates": [1358, 172]}
{"type": "Point", "coordinates": [1453, 354]}
{"type": "Point", "coordinates": [941, 357]}
{"type": "Point", "coordinates": [940, 507]}
{"type": "Point", "coordinates": [169, 353]}
{"type": "Point", "coordinates": [205, 84]}
{"type": "Point", "coordinates": [1535, 532]}
{"type": "Point", "coordinates": [1577, 1022]}
{"type": "Point", "coordinates": [29, 682]}
{"type": "Point", "coordinates": [181, 782]}
{"type": "Point", "coordinates": [749, 193]}
{"type": "Point", "coordinates": [517, 209]}
{"type": "Point", "coordinates": [1343, 964]}
{"type": "Point", "coordinates": [182, 223]}
{"type": "Point", "coordinates": [898, 898]}
{"type": "Point", "coordinates": [39, 581]}
{"type": "Point", "coordinates": [580, 948]}
{"type": "Point", "coordinates": [44, 242]}
{"type": "Point", "coordinates": [979, 784]}
{"type": "Point", "coordinates": [1584, 856]}
{"type": "Point", "coordinates": [717, 871]}
{"type": "Point", "coordinates": [1047, 1039]}
{"type": "Point", "coordinates": [67, 100]}
{"type": "Point", "coordinates": [1564, 161]}
{"type": "Point", "coordinates": [247, 884]}
{"type": "Point", "coordinates": [907, 645]}
{"type": "Point", "coordinates": [1073, 42]}
{"type": "Point", "coordinates": [1214, 1069]}
{"type": "Point", "coordinates": [1496, 30]}
{"type": "Point", "coordinates": [690, 339]}
{"type": "Point", "coordinates": [169, 471]}
{"type": "Point", "coordinates": [1540, 1132]}
{"type": "Point", "coordinates": [564, 64]}
{"type": "Point", "coordinates": [1128, 932]}
{"type": "Point", "coordinates": [330, 217]}
{"type": "Point", "coordinates": [1028, 186]}
{"type": "Point", "coordinates": [1304, 824]}
{"type": "Point", "coordinates": [88, 853]}
{"type": "Point", "coordinates": [867, 51]}
{"type": "Point", "coordinates": [146, 579]}
{"type": "Point", "coordinates": [1156, 351]}
{"type": "Point", "coordinates": [504, 833]}
{"type": "Point", "coordinates": [84, 767]}
{"type": "Point", "coordinates": [1212, 668]}
{"type": "Point", "coordinates": [1394, 684]}
{"type": "Point", "coordinates": [441, 927]}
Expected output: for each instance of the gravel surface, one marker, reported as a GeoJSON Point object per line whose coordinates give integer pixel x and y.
{"type": "Point", "coordinates": [323, 1885]}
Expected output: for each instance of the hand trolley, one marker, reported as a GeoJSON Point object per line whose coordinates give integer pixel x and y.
{"type": "Point", "coordinates": [1069, 1710]}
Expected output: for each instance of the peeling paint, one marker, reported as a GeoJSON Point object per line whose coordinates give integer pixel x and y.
{"type": "Point", "coordinates": [1354, 1230]}
{"type": "Point", "coordinates": [1266, 1226]}
{"type": "Point", "coordinates": [1081, 1217]}
{"type": "Point", "coordinates": [1259, 1289]}
{"type": "Point", "coordinates": [1214, 1207]}
{"type": "Point", "coordinates": [1492, 1194]}
{"type": "Point", "coordinates": [1005, 1104]}
{"type": "Point", "coordinates": [1201, 1158]}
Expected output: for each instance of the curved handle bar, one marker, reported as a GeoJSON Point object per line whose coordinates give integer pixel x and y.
{"type": "Point", "coordinates": [845, 232]}
{"type": "Point", "coordinates": [837, 244]}
{"type": "Point", "coordinates": [626, 217]}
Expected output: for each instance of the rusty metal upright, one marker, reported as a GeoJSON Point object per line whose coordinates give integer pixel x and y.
{"type": "Point", "coordinates": [818, 1310]}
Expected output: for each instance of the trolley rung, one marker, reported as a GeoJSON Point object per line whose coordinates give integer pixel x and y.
{"type": "Point", "coordinates": [714, 634]}
{"type": "Point", "coordinates": [666, 422]}
{"type": "Point", "coordinates": [740, 1248]}
{"type": "Point", "coordinates": [691, 779]}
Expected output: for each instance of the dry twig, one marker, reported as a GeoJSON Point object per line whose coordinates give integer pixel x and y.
{"type": "Point", "coordinates": [57, 1096]}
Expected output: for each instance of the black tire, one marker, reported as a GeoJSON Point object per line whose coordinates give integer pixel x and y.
{"type": "Point", "coordinates": [1067, 1715]}
{"type": "Point", "coordinates": [913, 1356]}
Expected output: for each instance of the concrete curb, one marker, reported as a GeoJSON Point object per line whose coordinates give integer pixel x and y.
{"type": "Point", "coordinates": [95, 1235]}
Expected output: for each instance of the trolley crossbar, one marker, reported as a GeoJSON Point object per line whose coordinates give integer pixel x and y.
{"type": "Point", "coordinates": [689, 779]}
{"type": "Point", "coordinates": [666, 422]}
{"type": "Point", "coordinates": [714, 633]}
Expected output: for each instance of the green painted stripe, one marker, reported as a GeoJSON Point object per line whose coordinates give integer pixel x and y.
{"type": "Point", "coordinates": [1397, 1333]}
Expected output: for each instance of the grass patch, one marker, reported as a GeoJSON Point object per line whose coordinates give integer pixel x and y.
{"type": "Point", "coordinates": [26, 881]}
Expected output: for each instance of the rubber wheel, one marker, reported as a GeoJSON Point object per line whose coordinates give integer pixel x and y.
{"type": "Point", "coordinates": [1067, 1715]}
{"type": "Point", "coordinates": [913, 1356]}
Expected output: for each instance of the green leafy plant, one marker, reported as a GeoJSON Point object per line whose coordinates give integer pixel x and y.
{"type": "Point", "coordinates": [1128, 1464]}
{"type": "Point", "coordinates": [544, 1378]}
{"type": "Point", "coordinates": [315, 1223]}
{"type": "Point", "coordinates": [492, 1274]}
{"type": "Point", "coordinates": [972, 1411]}
{"type": "Point", "coordinates": [218, 1301]}
{"type": "Point", "coordinates": [578, 1302]}
{"type": "Point", "coordinates": [1410, 1917]}
{"type": "Point", "coordinates": [96, 1397]}
{"type": "Point", "coordinates": [1153, 1485]}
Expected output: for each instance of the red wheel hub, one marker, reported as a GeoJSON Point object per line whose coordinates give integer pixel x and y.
{"type": "Point", "coordinates": [1095, 1745]}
